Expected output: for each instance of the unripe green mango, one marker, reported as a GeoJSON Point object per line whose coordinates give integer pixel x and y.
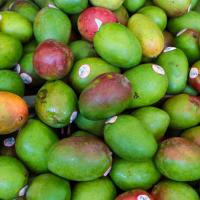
{"type": "Point", "coordinates": [122, 15]}
{"type": "Point", "coordinates": [109, 4]}
{"type": "Point", "coordinates": [133, 5]}
{"type": "Point", "coordinates": [175, 64]}
{"type": "Point", "coordinates": [148, 34]}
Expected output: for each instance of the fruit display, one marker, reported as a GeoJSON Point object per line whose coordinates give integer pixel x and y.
{"type": "Point", "coordinates": [99, 100]}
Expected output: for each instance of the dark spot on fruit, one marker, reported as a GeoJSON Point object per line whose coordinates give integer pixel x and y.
{"type": "Point", "coordinates": [136, 96]}
{"type": "Point", "coordinates": [42, 95]}
{"type": "Point", "coordinates": [20, 118]}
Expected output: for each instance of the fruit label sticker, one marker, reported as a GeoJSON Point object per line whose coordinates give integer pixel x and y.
{"type": "Point", "coordinates": [50, 5]}
{"type": "Point", "coordinates": [17, 68]}
{"type": "Point", "coordinates": [194, 72]}
{"type": "Point", "coordinates": [26, 78]}
{"type": "Point", "coordinates": [107, 171]}
{"type": "Point", "coordinates": [158, 69]}
{"type": "Point", "coordinates": [143, 197]}
{"type": "Point", "coordinates": [111, 120]}
{"type": "Point", "coordinates": [9, 142]}
{"type": "Point", "coordinates": [169, 49]}
{"type": "Point", "coordinates": [181, 32]}
{"type": "Point", "coordinates": [189, 8]}
{"type": "Point", "coordinates": [0, 17]}
{"type": "Point", "coordinates": [84, 71]}
{"type": "Point", "coordinates": [73, 116]}
{"type": "Point", "coordinates": [23, 191]}
{"type": "Point", "coordinates": [98, 23]}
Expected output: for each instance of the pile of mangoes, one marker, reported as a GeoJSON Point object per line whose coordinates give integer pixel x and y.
{"type": "Point", "coordinates": [99, 99]}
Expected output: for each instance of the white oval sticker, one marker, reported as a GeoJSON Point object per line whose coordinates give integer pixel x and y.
{"type": "Point", "coordinates": [194, 72]}
{"type": "Point", "coordinates": [158, 69]}
{"type": "Point", "coordinates": [189, 8]}
{"type": "Point", "coordinates": [98, 23]}
{"type": "Point", "coordinates": [84, 71]}
{"type": "Point", "coordinates": [73, 116]}
{"type": "Point", "coordinates": [9, 142]}
{"type": "Point", "coordinates": [22, 192]}
{"type": "Point", "coordinates": [26, 78]}
{"type": "Point", "coordinates": [17, 68]}
{"type": "Point", "coordinates": [181, 32]}
{"type": "Point", "coordinates": [143, 197]}
{"type": "Point", "coordinates": [167, 49]}
{"type": "Point", "coordinates": [111, 120]}
{"type": "Point", "coordinates": [50, 5]}
{"type": "Point", "coordinates": [107, 171]}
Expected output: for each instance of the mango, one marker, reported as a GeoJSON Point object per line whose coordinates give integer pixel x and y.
{"type": "Point", "coordinates": [133, 5]}
{"type": "Point", "coordinates": [194, 76]}
{"type": "Point", "coordinates": [56, 104]}
{"type": "Point", "coordinates": [82, 158]}
{"type": "Point", "coordinates": [148, 33]}
{"type": "Point", "coordinates": [48, 187]}
{"type": "Point", "coordinates": [175, 64]}
{"type": "Point", "coordinates": [12, 117]}
{"type": "Point", "coordinates": [109, 4]}
{"type": "Point", "coordinates": [44, 28]}
{"type": "Point", "coordinates": [122, 15]}
{"type": "Point", "coordinates": [178, 159]}
{"type": "Point", "coordinates": [99, 189]}
{"type": "Point", "coordinates": [117, 45]}
{"type": "Point", "coordinates": [146, 94]}
{"type": "Point", "coordinates": [105, 101]}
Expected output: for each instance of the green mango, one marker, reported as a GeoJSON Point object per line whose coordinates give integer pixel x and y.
{"type": "Point", "coordinates": [86, 70]}
{"type": "Point", "coordinates": [94, 127]}
{"type": "Point", "coordinates": [80, 158]}
{"type": "Point", "coordinates": [168, 190]}
{"type": "Point", "coordinates": [44, 28]}
{"type": "Point", "coordinates": [99, 189]}
{"type": "Point", "coordinates": [43, 3]}
{"type": "Point", "coordinates": [133, 175]}
{"type": "Point", "coordinates": [16, 25]}
{"type": "Point", "coordinates": [80, 133]}
{"type": "Point", "coordinates": [190, 20]}
{"type": "Point", "coordinates": [122, 15]}
{"type": "Point", "coordinates": [192, 134]}
{"type": "Point", "coordinates": [56, 104]}
{"type": "Point", "coordinates": [127, 131]}
{"type": "Point", "coordinates": [188, 41]}
{"type": "Point", "coordinates": [10, 51]}
{"type": "Point", "coordinates": [117, 45]}
{"type": "Point", "coordinates": [48, 187]}
{"type": "Point", "coordinates": [133, 5]}
{"type": "Point", "coordinates": [32, 145]}
{"type": "Point", "coordinates": [109, 4]}
{"type": "Point", "coordinates": [13, 177]}
{"type": "Point", "coordinates": [10, 81]}
{"type": "Point", "coordinates": [154, 120]}
{"type": "Point", "coordinates": [175, 64]}
{"type": "Point", "coordinates": [71, 6]}
{"type": "Point", "coordinates": [179, 159]}
{"type": "Point", "coordinates": [174, 8]}
{"type": "Point", "coordinates": [194, 3]}
{"type": "Point", "coordinates": [148, 33]}
{"type": "Point", "coordinates": [147, 94]}
{"type": "Point", "coordinates": [156, 14]}
{"type": "Point", "coordinates": [183, 110]}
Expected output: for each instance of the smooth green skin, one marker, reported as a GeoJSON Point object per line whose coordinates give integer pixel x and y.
{"type": "Point", "coordinates": [133, 5]}
{"type": "Point", "coordinates": [13, 177]}
{"type": "Point", "coordinates": [173, 8]}
{"type": "Point", "coordinates": [82, 49]}
{"type": "Point", "coordinates": [10, 51]}
{"type": "Point", "coordinates": [154, 119]}
{"type": "Point", "coordinates": [129, 175]}
{"type": "Point", "coordinates": [194, 4]}
{"type": "Point", "coordinates": [48, 187]}
{"type": "Point", "coordinates": [189, 44]}
{"type": "Point", "coordinates": [99, 189]}
{"type": "Point", "coordinates": [109, 4]}
{"type": "Point", "coordinates": [71, 6]}
{"type": "Point", "coordinates": [190, 90]}
{"type": "Point", "coordinates": [176, 66]}
{"type": "Point", "coordinates": [182, 112]}
{"type": "Point", "coordinates": [43, 3]}
{"type": "Point", "coordinates": [27, 9]}
{"type": "Point", "coordinates": [94, 127]}
{"type": "Point", "coordinates": [192, 134]}
{"type": "Point", "coordinates": [80, 133]}
{"type": "Point", "coordinates": [16, 25]}
{"type": "Point", "coordinates": [97, 67]}
{"type": "Point", "coordinates": [32, 145]}
{"type": "Point", "coordinates": [122, 15]}
{"type": "Point", "coordinates": [55, 103]}
{"type": "Point", "coordinates": [168, 190]}
{"type": "Point", "coordinates": [11, 81]}
{"type": "Point", "coordinates": [82, 158]}
{"type": "Point", "coordinates": [146, 94]}
{"type": "Point", "coordinates": [117, 45]}
{"type": "Point", "coordinates": [156, 14]}
{"type": "Point", "coordinates": [148, 33]}
{"type": "Point", "coordinates": [189, 20]}
{"type": "Point", "coordinates": [44, 29]}
{"type": "Point", "coordinates": [128, 138]}
{"type": "Point", "coordinates": [178, 159]}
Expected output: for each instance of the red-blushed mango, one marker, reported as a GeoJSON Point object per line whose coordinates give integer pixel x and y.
{"type": "Point", "coordinates": [107, 95]}
{"type": "Point", "coordinates": [179, 159]}
{"type": "Point", "coordinates": [91, 19]}
{"type": "Point", "coordinates": [13, 112]}
{"type": "Point", "coordinates": [148, 33]}
{"type": "Point", "coordinates": [136, 194]}
{"type": "Point", "coordinates": [52, 60]}
{"type": "Point", "coordinates": [194, 76]}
